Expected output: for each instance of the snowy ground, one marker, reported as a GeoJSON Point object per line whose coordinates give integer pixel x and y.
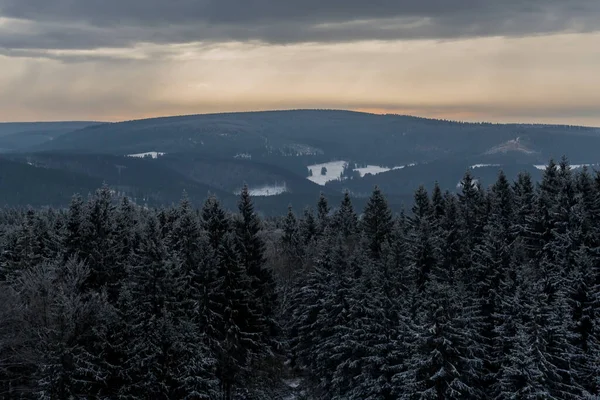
{"type": "Point", "coordinates": [371, 169]}
{"type": "Point", "coordinates": [267, 190]}
{"type": "Point", "coordinates": [483, 165]}
{"type": "Point", "coordinates": [153, 154]}
{"type": "Point", "coordinates": [405, 166]}
{"type": "Point", "coordinates": [334, 170]}
{"type": "Point", "coordinates": [573, 166]}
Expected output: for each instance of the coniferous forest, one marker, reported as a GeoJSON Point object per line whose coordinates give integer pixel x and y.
{"type": "Point", "coordinates": [487, 293]}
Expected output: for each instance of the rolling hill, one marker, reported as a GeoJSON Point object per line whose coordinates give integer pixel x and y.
{"type": "Point", "coordinates": [20, 135]}
{"type": "Point", "coordinates": [272, 151]}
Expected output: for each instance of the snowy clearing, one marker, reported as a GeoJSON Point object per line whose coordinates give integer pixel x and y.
{"type": "Point", "coordinates": [334, 171]}
{"type": "Point", "coordinates": [542, 167]}
{"type": "Point", "coordinates": [371, 169]}
{"type": "Point", "coordinates": [267, 190]}
{"type": "Point", "coordinates": [375, 169]}
{"type": "Point", "coordinates": [405, 166]}
{"type": "Point", "coordinates": [153, 154]}
{"type": "Point", "coordinates": [483, 165]}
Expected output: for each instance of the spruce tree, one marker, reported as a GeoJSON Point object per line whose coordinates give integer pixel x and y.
{"type": "Point", "coordinates": [423, 243]}
{"type": "Point", "coordinates": [167, 356]}
{"type": "Point", "coordinates": [377, 223]}
{"type": "Point", "coordinates": [240, 332]}
{"type": "Point", "coordinates": [64, 324]}
{"type": "Point", "coordinates": [74, 235]}
{"type": "Point", "coordinates": [322, 213]}
{"type": "Point", "coordinates": [250, 247]}
{"type": "Point", "coordinates": [100, 242]}
{"type": "Point", "coordinates": [438, 203]}
{"type": "Point", "coordinates": [215, 222]}
{"type": "Point", "coordinates": [344, 219]}
{"type": "Point", "coordinates": [493, 258]}
{"type": "Point", "coordinates": [445, 356]}
{"type": "Point", "coordinates": [452, 251]}
{"type": "Point", "coordinates": [308, 226]}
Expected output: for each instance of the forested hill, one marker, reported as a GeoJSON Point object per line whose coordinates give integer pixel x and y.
{"type": "Point", "coordinates": [383, 139]}
{"type": "Point", "coordinates": [283, 156]}
{"type": "Point", "coordinates": [480, 294]}
{"type": "Point", "coordinates": [21, 135]}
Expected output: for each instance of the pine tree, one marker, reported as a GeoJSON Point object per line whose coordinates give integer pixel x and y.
{"type": "Point", "coordinates": [34, 244]}
{"type": "Point", "coordinates": [322, 213]}
{"type": "Point", "coordinates": [166, 356]}
{"type": "Point", "coordinates": [344, 219]}
{"type": "Point", "coordinates": [291, 235]}
{"type": "Point", "coordinates": [127, 239]}
{"type": "Point", "coordinates": [72, 243]}
{"type": "Point", "coordinates": [423, 246]}
{"type": "Point", "coordinates": [452, 252]}
{"type": "Point", "coordinates": [438, 203]}
{"type": "Point", "coordinates": [315, 313]}
{"type": "Point", "coordinates": [240, 333]}
{"type": "Point", "coordinates": [472, 212]}
{"type": "Point", "coordinates": [524, 203]}
{"type": "Point", "coordinates": [377, 223]}
{"type": "Point", "coordinates": [583, 294]}
{"type": "Point", "coordinates": [370, 341]}
{"type": "Point", "coordinates": [308, 226]}
{"type": "Point", "coordinates": [250, 247]}
{"type": "Point", "coordinates": [64, 324]}
{"type": "Point", "coordinates": [215, 222]}
{"type": "Point", "coordinates": [472, 209]}
{"type": "Point", "coordinates": [445, 355]}
{"type": "Point", "coordinates": [540, 223]}
{"type": "Point", "coordinates": [491, 268]}
{"type": "Point", "coordinates": [186, 236]}
{"type": "Point", "coordinates": [100, 242]}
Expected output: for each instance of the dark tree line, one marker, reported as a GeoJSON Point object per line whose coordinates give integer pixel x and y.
{"type": "Point", "coordinates": [483, 294]}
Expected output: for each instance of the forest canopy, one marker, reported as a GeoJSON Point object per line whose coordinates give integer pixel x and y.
{"type": "Point", "coordinates": [487, 293]}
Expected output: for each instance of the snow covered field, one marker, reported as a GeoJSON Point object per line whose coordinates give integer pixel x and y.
{"type": "Point", "coordinates": [335, 168]}
{"type": "Point", "coordinates": [153, 154]}
{"type": "Point", "coordinates": [371, 169]}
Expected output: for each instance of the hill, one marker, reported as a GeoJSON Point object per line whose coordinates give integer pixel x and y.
{"type": "Point", "coordinates": [291, 156]}
{"type": "Point", "coordinates": [370, 138]}
{"type": "Point", "coordinates": [20, 135]}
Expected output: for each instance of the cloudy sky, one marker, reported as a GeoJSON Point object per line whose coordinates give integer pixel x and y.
{"type": "Point", "coordinates": [508, 60]}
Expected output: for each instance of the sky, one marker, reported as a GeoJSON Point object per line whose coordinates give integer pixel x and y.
{"type": "Point", "coordinates": [469, 60]}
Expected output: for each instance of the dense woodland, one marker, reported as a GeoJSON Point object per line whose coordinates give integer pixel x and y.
{"type": "Point", "coordinates": [488, 293]}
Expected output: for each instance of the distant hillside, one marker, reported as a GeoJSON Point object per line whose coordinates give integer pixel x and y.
{"type": "Point", "coordinates": [22, 184]}
{"type": "Point", "coordinates": [20, 135]}
{"type": "Point", "coordinates": [370, 138]}
{"type": "Point", "coordinates": [285, 157]}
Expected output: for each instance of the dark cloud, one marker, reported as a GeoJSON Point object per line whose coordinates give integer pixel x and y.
{"type": "Point", "coordinates": [88, 24]}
